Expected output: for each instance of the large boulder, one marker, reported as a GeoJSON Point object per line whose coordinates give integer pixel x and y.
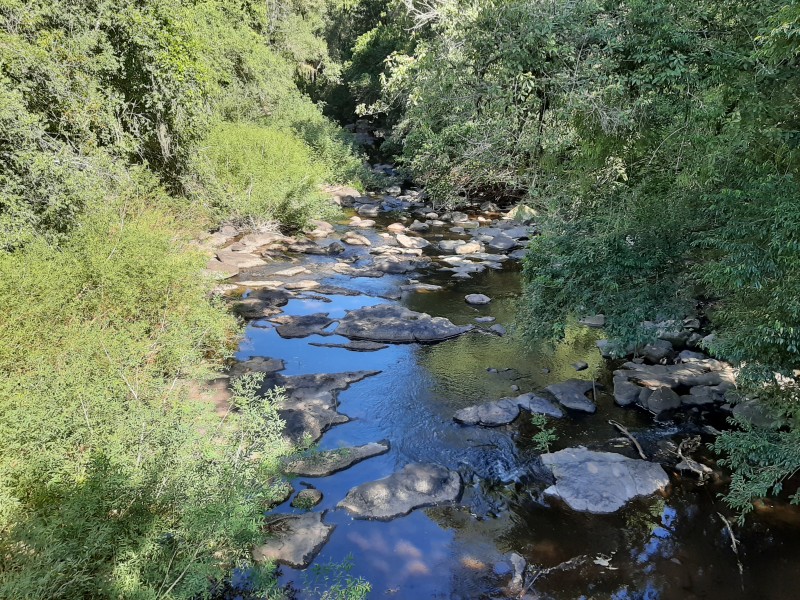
{"type": "Point", "coordinates": [396, 324]}
{"type": "Point", "coordinates": [601, 482]}
{"type": "Point", "coordinates": [414, 486]}
{"type": "Point", "coordinates": [296, 540]}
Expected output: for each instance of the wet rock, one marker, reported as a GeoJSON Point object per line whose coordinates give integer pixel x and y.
{"type": "Point", "coordinates": [689, 356]}
{"type": "Point", "coordinates": [255, 308]}
{"type": "Point", "coordinates": [518, 254]}
{"type": "Point", "coordinates": [307, 498]}
{"type": "Point", "coordinates": [419, 227]}
{"type": "Point", "coordinates": [596, 321]}
{"type": "Point", "coordinates": [572, 394]}
{"type": "Point", "coordinates": [477, 299]}
{"type": "Point", "coordinates": [302, 326]}
{"type": "Point", "coordinates": [411, 242]}
{"type": "Point", "coordinates": [485, 319]}
{"type": "Point", "coordinates": [395, 265]}
{"type": "Point", "coordinates": [416, 485]}
{"type": "Point", "coordinates": [601, 482]}
{"type": "Point", "coordinates": [703, 395]}
{"type": "Point", "coordinates": [360, 223]}
{"type": "Point", "coordinates": [519, 565]}
{"type": "Point", "coordinates": [239, 260]}
{"type": "Point", "coordinates": [489, 207]}
{"type": "Point", "coordinates": [328, 462]}
{"type": "Point", "coordinates": [490, 414]}
{"type": "Point", "coordinates": [580, 365]}
{"type": "Point", "coordinates": [396, 228]}
{"type": "Point", "coordinates": [396, 324]}
{"type": "Point", "coordinates": [498, 329]}
{"type": "Point", "coordinates": [297, 540]}
{"type": "Point", "coordinates": [334, 248]}
{"type": "Point", "coordinates": [356, 346]}
{"type": "Point", "coordinates": [309, 248]}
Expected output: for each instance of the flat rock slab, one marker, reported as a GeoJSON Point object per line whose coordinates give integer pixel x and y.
{"type": "Point", "coordinates": [572, 394]}
{"type": "Point", "coordinates": [302, 326]}
{"type": "Point", "coordinates": [328, 462]}
{"type": "Point", "coordinates": [536, 404]}
{"type": "Point", "coordinates": [298, 539]}
{"type": "Point", "coordinates": [601, 482]}
{"type": "Point", "coordinates": [311, 406]}
{"type": "Point", "coordinates": [394, 324]}
{"type": "Point", "coordinates": [414, 486]}
{"type": "Point", "coordinates": [354, 346]}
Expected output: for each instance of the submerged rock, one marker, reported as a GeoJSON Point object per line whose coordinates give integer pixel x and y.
{"type": "Point", "coordinates": [572, 394]}
{"type": "Point", "coordinates": [414, 486]}
{"type": "Point", "coordinates": [298, 539]}
{"type": "Point", "coordinates": [355, 346]}
{"type": "Point", "coordinates": [601, 482]}
{"type": "Point", "coordinates": [396, 324]}
{"type": "Point", "coordinates": [328, 462]}
{"type": "Point", "coordinates": [307, 498]}
{"type": "Point", "coordinates": [505, 410]}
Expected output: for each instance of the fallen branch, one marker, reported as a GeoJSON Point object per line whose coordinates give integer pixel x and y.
{"type": "Point", "coordinates": [689, 464]}
{"type": "Point", "coordinates": [734, 543]}
{"type": "Point", "coordinates": [628, 435]}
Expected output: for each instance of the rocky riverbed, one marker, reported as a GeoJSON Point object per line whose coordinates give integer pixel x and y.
{"type": "Point", "coordinates": [393, 333]}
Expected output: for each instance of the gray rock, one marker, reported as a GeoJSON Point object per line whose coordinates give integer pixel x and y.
{"type": "Point", "coordinates": [390, 323]}
{"type": "Point", "coordinates": [689, 374]}
{"type": "Point", "coordinates": [356, 239]}
{"type": "Point", "coordinates": [257, 365]}
{"type": "Point", "coordinates": [411, 242]}
{"type": "Point", "coordinates": [689, 356]}
{"type": "Point", "coordinates": [310, 406]}
{"type": "Point", "coordinates": [536, 404]}
{"type": "Point", "coordinates": [596, 321]}
{"type": "Point", "coordinates": [625, 392]}
{"type": "Point", "coordinates": [664, 398]}
{"type": "Point", "coordinates": [580, 365]}
{"type": "Point", "coordinates": [421, 287]}
{"type": "Point", "coordinates": [416, 485]}
{"type": "Point", "coordinates": [298, 539]}
{"type": "Point", "coordinates": [328, 462]}
{"type": "Point", "coordinates": [572, 394]}
{"type": "Point", "coordinates": [368, 210]}
{"type": "Point", "coordinates": [477, 299]}
{"type": "Point", "coordinates": [502, 243]}
{"type": "Point", "coordinates": [485, 319]}
{"type": "Point", "coordinates": [754, 412]}
{"type": "Point", "coordinates": [302, 326]}
{"type": "Point", "coordinates": [468, 248]}
{"type": "Point", "coordinates": [601, 482]}
{"type": "Point", "coordinates": [307, 498]}
{"type": "Point", "coordinates": [419, 227]}
{"type": "Point", "coordinates": [490, 414]}
{"type": "Point", "coordinates": [657, 351]}
{"type": "Point", "coordinates": [498, 329]}
{"type": "Point", "coordinates": [450, 245]}
{"type": "Point", "coordinates": [394, 265]}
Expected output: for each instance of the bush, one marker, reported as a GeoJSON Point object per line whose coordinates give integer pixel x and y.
{"type": "Point", "coordinates": [112, 482]}
{"type": "Point", "coordinates": [252, 173]}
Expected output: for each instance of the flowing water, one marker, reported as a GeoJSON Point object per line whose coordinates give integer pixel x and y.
{"type": "Point", "coordinates": [672, 547]}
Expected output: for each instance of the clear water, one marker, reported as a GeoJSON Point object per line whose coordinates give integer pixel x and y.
{"type": "Point", "coordinates": [662, 548]}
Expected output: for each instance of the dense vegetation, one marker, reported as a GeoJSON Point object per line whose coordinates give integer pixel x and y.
{"type": "Point", "coordinates": [126, 127]}
{"type": "Point", "coordinates": [659, 140]}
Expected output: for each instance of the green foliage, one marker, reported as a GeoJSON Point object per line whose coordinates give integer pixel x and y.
{"type": "Point", "coordinates": [545, 435]}
{"type": "Point", "coordinates": [660, 140]}
{"type": "Point", "coordinates": [332, 581]}
{"type": "Point", "coordinates": [256, 173]}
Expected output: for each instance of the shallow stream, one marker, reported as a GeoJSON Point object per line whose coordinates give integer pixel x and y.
{"type": "Point", "coordinates": [672, 547]}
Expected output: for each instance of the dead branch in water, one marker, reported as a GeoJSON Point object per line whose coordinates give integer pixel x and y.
{"type": "Point", "coordinates": [629, 435]}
